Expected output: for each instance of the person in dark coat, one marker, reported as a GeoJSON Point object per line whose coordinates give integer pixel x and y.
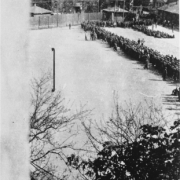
{"type": "Point", "coordinates": [92, 37]}
{"type": "Point", "coordinates": [165, 74]}
{"type": "Point", "coordinates": [139, 41]}
{"type": "Point", "coordinates": [86, 37]}
{"type": "Point", "coordinates": [115, 46]}
{"type": "Point", "coordinates": [175, 92]}
{"type": "Point", "coordinates": [172, 25]}
{"type": "Point", "coordinates": [147, 62]}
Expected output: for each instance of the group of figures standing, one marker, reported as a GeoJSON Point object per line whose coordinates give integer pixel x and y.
{"type": "Point", "coordinates": [167, 65]}
{"type": "Point", "coordinates": [141, 25]}
{"type": "Point", "coordinates": [149, 32]}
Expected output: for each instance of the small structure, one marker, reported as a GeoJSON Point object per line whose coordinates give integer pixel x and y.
{"type": "Point", "coordinates": [78, 7]}
{"type": "Point", "coordinates": [38, 11]}
{"type": "Point", "coordinates": [114, 14]}
{"type": "Point", "coordinates": [170, 12]}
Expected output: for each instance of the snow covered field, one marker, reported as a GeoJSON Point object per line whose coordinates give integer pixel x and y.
{"type": "Point", "coordinates": [89, 72]}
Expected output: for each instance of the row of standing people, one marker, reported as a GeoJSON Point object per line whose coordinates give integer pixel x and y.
{"type": "Point", "coordinates": [141, 25]}
{"type": "Point", "coordinates": [146, 22]}
{"type": "Point", "coordinates": [167, 65]}
{"type": "Point", "coordinates": [149, 32]}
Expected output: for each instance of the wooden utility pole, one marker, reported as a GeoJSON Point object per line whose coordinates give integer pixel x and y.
{"type": "Point", "coordinates": [98, 5]}
{"type": "Point", "coordinates": [57, 19]}
{"type": "Point", "coordinates": [48, 21]}
{"type": "Point", "coordinates": [39, 23]}
{"type": "Point", "coordinates": [53, 69]}
{"type": "Point", "coordinates": [123, 9]}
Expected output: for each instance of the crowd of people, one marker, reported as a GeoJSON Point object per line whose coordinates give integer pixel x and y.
{"type": "Point", "coordinates": [129, 24]}
{"type": "Point", "coordinates": [140, 22]}
{"type": "Point", "coordinates": [167, 65]}
{"type": "Point", "coordinates": [149, 32]}
{"type": "Point", "coordinates": [168, 24]}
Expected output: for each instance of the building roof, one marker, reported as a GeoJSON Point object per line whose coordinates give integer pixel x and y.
{"type": "Point", "coordinates": [172, 8]}
{"type": "Point", "coordinates": [117, 9]}
{"type": "Point", "coordinates": [38, 10]}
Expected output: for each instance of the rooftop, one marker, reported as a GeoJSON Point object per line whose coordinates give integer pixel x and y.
{"type": "Point", "coordinates": [38, 10]}
{"type": "Point", "coordinates": [172, 8]}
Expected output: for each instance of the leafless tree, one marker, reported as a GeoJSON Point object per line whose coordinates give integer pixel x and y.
{"type": "Point", "coordinates": [124, 123]}
{"type": "Point", "coordinates": [124, 126]}
{"type": "Point", "coordinates": [52, 128]}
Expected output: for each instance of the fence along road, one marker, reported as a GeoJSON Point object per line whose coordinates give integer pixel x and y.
{"type": "Point", "coordinates": [60, 20]}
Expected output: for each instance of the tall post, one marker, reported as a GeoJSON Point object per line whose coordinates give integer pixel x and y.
{"type": "Point", "coordinates": [48, 21]}
{"type": "Point", "coordinates": [66, 18]}
{"type": "Point", "coordinates": [115, 11]}
{"type": "Point", "coordinates": [57, 19]}
{"type": "Point", "coordinates": [123, 10]}
{"type": "Point", "coordinates": [53, 69]}
{"type": "Point", "coordinates": [78, 18]}
{"type": "Point", "coordinates": [114, 6]}
{"type": "Point", "coordinates": [98, 6]}
{"type": "Point", "coordinates": [39, 22]}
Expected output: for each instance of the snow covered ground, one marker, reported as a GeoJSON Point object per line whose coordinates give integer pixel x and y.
{"type": "Point", "coordinates": [89, 72]}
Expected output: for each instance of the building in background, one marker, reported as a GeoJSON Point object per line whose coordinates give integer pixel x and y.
{"type": "Point", "coordinates": [170, 12]}
{"type": "Point", "coordinates": [39, 11]}
{"type": "Point", "coordinates": [69, 6]}
{"type": "Point", "coordinates": [142, 2]}
{"type": "Point", "coordinates": [75, 6]}
{"type": "Point", "coordinates": [124, 4]}
{"type": "Point", "coordinates": [78, 6]}
{"type": "Point", "coordinates": [159, 3]}
{"type": "Point", "coordinates": [171, 1]}
{"type": "Point", "coordinates": [62, 6]}
{"type": "Point", "coordinates": [140, 6]}
{"type": "Point", "coordinates": [114, 14]}
{"type": "Point", "coordinates": [46, 4]}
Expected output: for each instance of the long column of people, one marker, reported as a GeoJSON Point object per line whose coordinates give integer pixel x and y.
{"type": "Point", "coordinates": [167, 65]}
{"type": "Point", "coordinates": [140, 25]}
{"type": "Point", "coordinates": [149, 32]}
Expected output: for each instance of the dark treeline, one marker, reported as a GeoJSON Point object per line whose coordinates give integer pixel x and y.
{"type": "Point", "coordinates": [153, 155]}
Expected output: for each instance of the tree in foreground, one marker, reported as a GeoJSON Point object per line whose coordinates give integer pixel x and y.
{"type": "Point", "coordinates": [135, 144]}
{"type": "Point", "coordinates": [52, 129]}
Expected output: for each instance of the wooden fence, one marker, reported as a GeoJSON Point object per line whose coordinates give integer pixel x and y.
{"type": "Point", "coordinates": [60, 20]}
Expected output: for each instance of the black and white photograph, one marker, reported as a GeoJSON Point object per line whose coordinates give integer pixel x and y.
{"type": "Point", "coordinates": [90, 90]}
